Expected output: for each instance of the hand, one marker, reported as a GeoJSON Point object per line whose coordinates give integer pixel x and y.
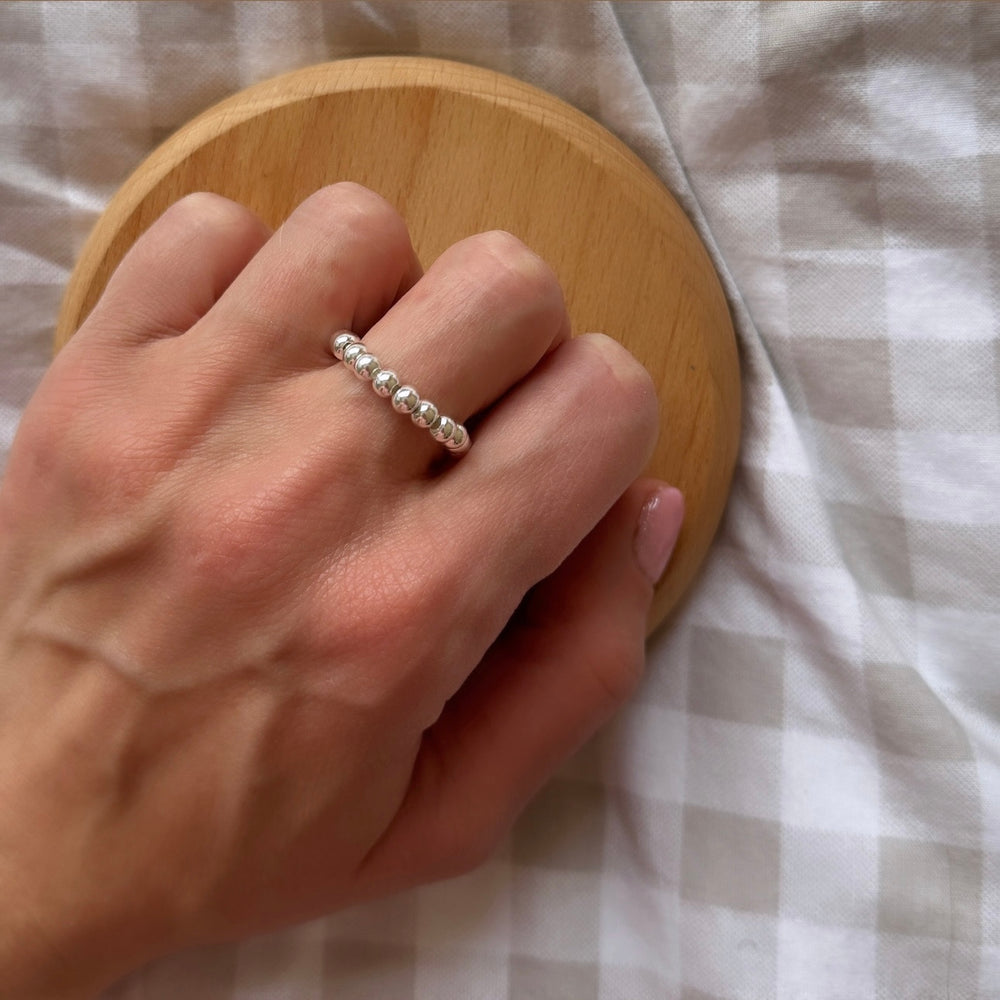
{"type": "Point", "coordinates": [266, 649]}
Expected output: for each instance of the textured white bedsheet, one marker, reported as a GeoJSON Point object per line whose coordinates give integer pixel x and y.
{"type": "Point", "coordinates": [804, 801]}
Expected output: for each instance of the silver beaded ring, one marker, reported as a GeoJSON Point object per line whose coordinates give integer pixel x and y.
{"type": "Point", "coordinates": [347, 347]}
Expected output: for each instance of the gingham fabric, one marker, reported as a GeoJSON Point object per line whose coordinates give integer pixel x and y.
{"type": "Point", "coordinates": [803, 802]}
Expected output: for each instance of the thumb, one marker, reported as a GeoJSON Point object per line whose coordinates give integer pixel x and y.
{"type": "Point", "coordinates": [568, 659]}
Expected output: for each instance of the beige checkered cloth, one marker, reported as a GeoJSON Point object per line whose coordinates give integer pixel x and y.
{"type": "Point", "coordinates": [804, 801]}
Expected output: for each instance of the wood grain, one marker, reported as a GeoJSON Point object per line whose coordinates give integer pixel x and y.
{"type": "Point", "coordinates": [459, 150]}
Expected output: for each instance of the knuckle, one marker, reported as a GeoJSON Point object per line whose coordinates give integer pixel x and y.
{"type": "Point", "coordinates": [196, 205]}
{"type": "Point", "coordinates": [626, 389]}
{"type": "Point", "coordinates": [621, 366]}
{"type": "Point", "coordinates": [468, 848]}
{"type": "Point", "coordinates": [476, 852]}
{"type": "Point", "coordinates": [462, 834]}
{"type": "Point", "coordinates": [348, 221]}
{"type": "Point", "coordinates": [203, 219]}
{"type": "Point", "coordinates": [358, 206]}
{"type": "Point", "coordinates": [513, 271]}
{"type": "Point", "coordinates": [616, 667]}
{"type": "Point", "coordinates": [202, 210]}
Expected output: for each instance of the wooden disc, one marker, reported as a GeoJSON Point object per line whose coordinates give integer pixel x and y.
{"type": "Point", "coordinates": [459, 150]}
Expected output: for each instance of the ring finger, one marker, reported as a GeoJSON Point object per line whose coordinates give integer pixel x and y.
{"type": "Point", "coordinates": [478, 322]}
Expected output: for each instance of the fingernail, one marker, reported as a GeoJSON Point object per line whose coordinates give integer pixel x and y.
{"type": "Point", "coordinates": [656, 533]}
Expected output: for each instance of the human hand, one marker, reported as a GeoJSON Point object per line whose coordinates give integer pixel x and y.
{"type": "Point", "coordinates": [265, 648]}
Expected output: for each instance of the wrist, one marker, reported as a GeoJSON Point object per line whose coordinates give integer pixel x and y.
{"type": "Point", "coordinates": [62, 932]}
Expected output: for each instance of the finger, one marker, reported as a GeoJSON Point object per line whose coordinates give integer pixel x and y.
{"type": "Point", "coordinates": [178, 268]}
{"type": "Point", "coordinates": [339, 261]}
{"type": "Point", "coordinates": [459, 551]}
{"type": "Point", "coordinates": [548, 462]}
{"type": "Point", "coordinates": [482, 317]}
{"type": "Point", "coordinates": [568, 660]}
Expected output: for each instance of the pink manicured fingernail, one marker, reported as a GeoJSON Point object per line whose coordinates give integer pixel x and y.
{"type": "Point", "coordinates": [656, 534]}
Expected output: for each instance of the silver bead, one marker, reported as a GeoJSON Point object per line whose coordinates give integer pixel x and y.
{"type": "Point", "coordinates": [443, 429]}
{"type": "Point", "coordinates": [425, 414]}
{"type": "Point", "coordinates": [339, 342]}
{"type": "Point", "coordinates": [366, 367]}
{"type": "Point", "coordinates": [459, 441]}
{"type": "Point", "coordinates": [352, 352]}
{"type": "Point", "coordinates": [385, 382]}
{"type": "Point", "coordinates": [405, 399]}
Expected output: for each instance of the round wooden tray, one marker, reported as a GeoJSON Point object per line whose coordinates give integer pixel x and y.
{"type": "Point", "coordinates": [459, 150]}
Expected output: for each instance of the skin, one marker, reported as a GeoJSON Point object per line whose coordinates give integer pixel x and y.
{"type": "Point", "coordinates": [266, 650]}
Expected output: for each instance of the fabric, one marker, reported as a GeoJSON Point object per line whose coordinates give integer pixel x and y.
{"type": "Point", "coordinates": [803, 802]}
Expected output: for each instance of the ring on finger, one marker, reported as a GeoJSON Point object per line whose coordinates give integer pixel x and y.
{"type": "Point", "coordinates": [348, 348]}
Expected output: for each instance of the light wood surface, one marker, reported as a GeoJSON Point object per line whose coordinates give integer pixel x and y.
{"type": "Point", "coordinates": [459, 150]}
